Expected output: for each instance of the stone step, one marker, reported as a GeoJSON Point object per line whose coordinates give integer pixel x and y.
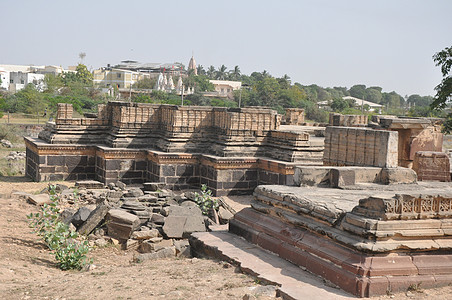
{"type": "Point", "coordinates": [292, 281]}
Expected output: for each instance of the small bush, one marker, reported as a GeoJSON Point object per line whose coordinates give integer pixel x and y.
{"type": "Point", "coordinates": [205, 200]}
{"type": "Point", "coordinates": [69, 252]}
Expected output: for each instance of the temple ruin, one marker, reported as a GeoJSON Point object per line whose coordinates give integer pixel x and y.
{"type": "Point", "coordinates": [365, 204]}
{"type": "Point", "coordinates": [231, 150]}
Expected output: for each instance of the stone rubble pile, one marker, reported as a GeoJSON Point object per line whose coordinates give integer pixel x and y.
{"type": "Point", "coordinates": [148, 218]}
{"type": "Point", "coordinates": [16, 155]}
{"type": "Point", "coordinates": [5, 143]}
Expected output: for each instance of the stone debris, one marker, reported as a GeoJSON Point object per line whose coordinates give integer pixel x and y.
{"type": "Point", "coordinates": [39, 199]}
{"type": "Point", "coordinates": [16, 155]}
{"type": "Point", "coordinates": [121, 224]}
{"type": "Point", "coordinates": [81, 216]}
{"type": "Point", "coordinates": [151, 220]}
{"type": "Point", "coordinates": [5, 143]}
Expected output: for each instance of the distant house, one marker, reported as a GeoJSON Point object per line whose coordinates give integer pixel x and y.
{"type": "Point", "coordinates": [225, 88]}
{"type": "Point", "coordinates": [359, 103]}
{"type": "Point", "coordinates": [18, 80]}
{"type": "Point", "coordinates": [112, 77]}
{"type": "Point", "coordinates": [16, 77]}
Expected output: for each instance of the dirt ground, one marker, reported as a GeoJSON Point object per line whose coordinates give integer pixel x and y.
{"type": "Point", "coordinates": [28, 270]}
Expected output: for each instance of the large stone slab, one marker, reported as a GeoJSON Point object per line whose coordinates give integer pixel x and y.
{"type": "Point", "coordinates": [121, 224]}
{"type": "Point", "coordinates": [95, 217]}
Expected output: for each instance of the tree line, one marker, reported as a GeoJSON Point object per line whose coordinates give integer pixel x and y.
{"type": "Point", "coordinates": [258, 89]}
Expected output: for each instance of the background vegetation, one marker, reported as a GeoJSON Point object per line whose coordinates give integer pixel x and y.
{"type": "Point", "coordinates": [258, 89]}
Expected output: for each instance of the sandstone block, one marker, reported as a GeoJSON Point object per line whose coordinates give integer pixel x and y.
{"type": "Point", "coordinates": [39, 200]}
{"type": "Point", "coordinates": [121, 224]}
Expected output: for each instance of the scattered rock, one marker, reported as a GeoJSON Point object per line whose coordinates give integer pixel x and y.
{"type": "Point", "coordinates": [145, 234]}
{"type": "Point", "coordinates": [130, 245]}
{"type": "Point", "coordinates": [164, 253]}
{"type": "Point", "coordinates": [6, 143]}
{"type": "Point", "coordinates": [95, 217]}
{"type": "Point", "coordinates": [153, 186]}
{"type": "Point", "coordinates": [101, 242]}
{"type": "Point", "coordinates": [121, 224]}
{"type": "Point", "coordinates": [81, 216]}
{"type": "Point", "coordinates": [224, 215]}
{"type": "Point", "coordinates": [39, 199]}
{"type": "Point", "coordinates": [121, 185]}
{"type": "Point", "coordinates": [66, 216]}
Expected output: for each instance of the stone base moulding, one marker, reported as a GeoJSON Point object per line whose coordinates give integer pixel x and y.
{"type": "Point", "coordinates": [363, 274]}
{"type": "Point", "coordinates": [223, 175]}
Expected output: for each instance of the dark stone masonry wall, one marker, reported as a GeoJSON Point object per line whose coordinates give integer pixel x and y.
{"type": "Point", "coordinates": [229, 150]}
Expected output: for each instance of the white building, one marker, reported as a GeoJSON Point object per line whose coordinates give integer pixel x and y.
{"type": "Point", "coordinates": [16, 77]}
{"type": "Point", "coordinates": [358, 103]}
{"type": "Point", "coordinates": [225, 88]}
{"type": "Point", "coordinates": [18, 80]}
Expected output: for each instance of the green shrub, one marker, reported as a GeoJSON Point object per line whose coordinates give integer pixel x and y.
{"type": "Point", "coordinates": [69, 251]}
{"type": "Point", "coordinates": [205, 200]}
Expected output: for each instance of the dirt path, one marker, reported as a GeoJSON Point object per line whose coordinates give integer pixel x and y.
{"type": "Point", "coordinates": [28, 269]}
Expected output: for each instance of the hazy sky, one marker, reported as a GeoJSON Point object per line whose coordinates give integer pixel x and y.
{"type": "Point", "coordinates": [387, 43]}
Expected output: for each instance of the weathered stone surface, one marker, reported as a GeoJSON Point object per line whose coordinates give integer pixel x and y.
{"type": "Point", "coordinates": [89, 184]}
{"type": "Point", "coordinates": [340, 142]}
{"type": "Point", "coordinates": [182, 248]}
{"type": "Point", "coordinates": [193, 224]}
{"type": "Point", "coordinates": [176, 210]}
{"type": "Point", "coordinates": [121, 224]}
{"type": "Point", "coordinates": [157, 219]}
{"type": "Point", "coordinates": [94, 218]}
{"type": "Point", "coordinates": [188, 204]}
{"type": "Point", "coordinates": [398, 176]}
{"type": "Point", "coordinates": [174, 226]}
{"type": "Point", "coordinates": [311, 176]}
{"type": "Point", "coordinates": [81, 216]}
{"type": "Point", "coordinates": [432, 166]}
{"type": "Point", "coordinates": [153, 186]}
{"type": "Point", "coordinates": [224, 214]}
{"type": "Point", "coordinates": [121, 185]}
{"type": "Point", "coordinates": [145, 234]}
{"type": "Point", "coordinates": [39, 199]}
{"type": "Point", "coordinates": [133, 192]}
{"type": "Point", "coordinates": [164, 253]}
{"type": "Point", "coordinates": [130, 245]}
{"type": "Point", "coordinates": [66, 216]}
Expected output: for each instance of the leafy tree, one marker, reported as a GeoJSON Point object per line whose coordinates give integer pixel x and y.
{"type": "Point", "coordinates": [358, 91]}
{"type": "Point", "coordinates": [211, 72]}
{"type": "Point", "coordinates": [200, 70]}
{"type": "Point", "coordinates": [235, 74]}
{"type": "Point", "coordinates": [373, 95]}
{"type": "Point", "coordinates": [221, 73]}
{"type": "Point", "coordinates": [145, 83]}
{"type": "Point", "coordinates": [416, 100]}
{"type": "Point", "coordinates": [339, 105]}
{"type": "Point", "coordinates": [444, 89]}
{"type": "Point", "coordinates": [83, 75]}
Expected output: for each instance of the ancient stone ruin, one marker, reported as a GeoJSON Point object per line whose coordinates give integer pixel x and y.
{"type": "Point", "coordinates": [363, 221]}
{"type": "Point", "coordinates": [365, 205]}
{"type": "Point", "coordinates": [231, 150]}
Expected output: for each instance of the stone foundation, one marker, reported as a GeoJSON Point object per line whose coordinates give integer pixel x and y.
{"type": "Point", "coordinates": [364, 244]}
{"type": "Point", "coordinates": [231, 150]}
{"type": "Point", "coordinates": [223, 175]}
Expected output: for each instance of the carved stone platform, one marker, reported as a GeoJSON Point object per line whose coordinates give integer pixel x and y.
{"type": "Point", "coordinates": [368, 241]}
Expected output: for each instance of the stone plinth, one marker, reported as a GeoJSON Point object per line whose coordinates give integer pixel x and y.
{"type": "Point", "coordinates": [351, 146]}
{"type": "Point", "coordinates": [365, 244]}
{"type": "Point", "coordinates": [432, 166]}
